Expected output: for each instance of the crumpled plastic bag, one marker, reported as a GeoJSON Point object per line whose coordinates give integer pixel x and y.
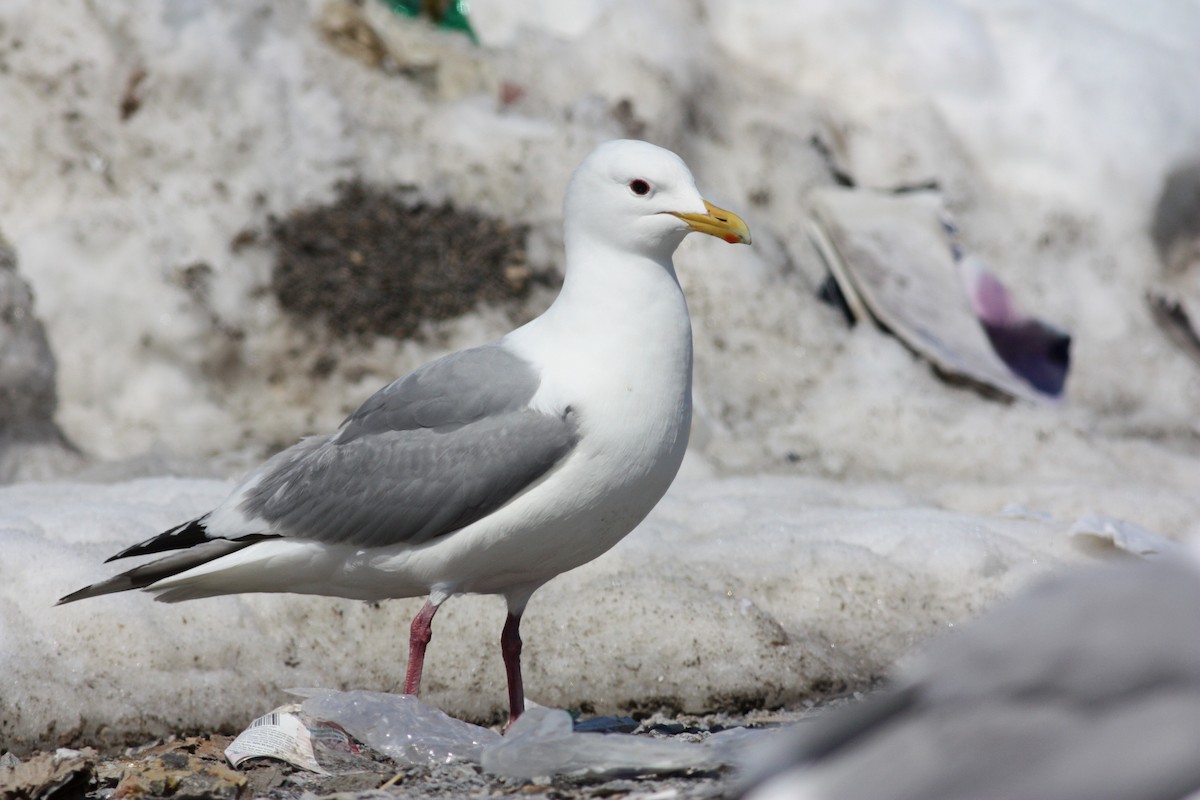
{"type": "Point", "coordinates": [399, 725]}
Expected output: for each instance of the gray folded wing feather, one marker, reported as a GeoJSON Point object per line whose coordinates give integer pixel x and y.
{"type": "Point", "coordinates": [425, 456]}
{"type": "Point", "coordinates": [445, 394]}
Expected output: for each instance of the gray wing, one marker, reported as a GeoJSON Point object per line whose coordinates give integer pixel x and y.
{"type": "Point", "coordinates": [448, 393]}
{"type": "Point", "coordinates": [425, 456]}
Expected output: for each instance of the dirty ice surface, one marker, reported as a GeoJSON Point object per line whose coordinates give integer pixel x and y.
{"type": "Point", "coordinates": [840, 503]}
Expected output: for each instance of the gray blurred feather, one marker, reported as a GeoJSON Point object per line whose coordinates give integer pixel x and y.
{"type": "Point", "coordinates": [1086, 686]}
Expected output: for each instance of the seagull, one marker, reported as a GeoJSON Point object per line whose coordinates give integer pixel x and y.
{"type": "Point", "coordinates": [493, 469]}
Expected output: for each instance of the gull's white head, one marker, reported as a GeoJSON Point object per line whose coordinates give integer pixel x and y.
{"type": "Point", "coordinates": [640, 198]}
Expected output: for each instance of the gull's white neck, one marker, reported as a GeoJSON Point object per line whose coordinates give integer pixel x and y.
{"type": "Point", "coordinates": [617, 312]}
{"type": "Point", "coordinates": [616, 347]}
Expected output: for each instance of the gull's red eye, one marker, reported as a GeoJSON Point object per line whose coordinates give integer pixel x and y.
{"type": "Point", "coordinates": [639, 187]}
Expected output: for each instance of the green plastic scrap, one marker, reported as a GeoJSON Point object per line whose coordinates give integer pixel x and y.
{"type": "Point", "coordinates": [448, 14]}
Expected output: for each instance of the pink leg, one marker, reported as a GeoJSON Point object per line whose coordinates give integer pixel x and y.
{"type": "Point", "coordinates": [510, 648]}
{"type": "Point", "coordinates": [418, 637]}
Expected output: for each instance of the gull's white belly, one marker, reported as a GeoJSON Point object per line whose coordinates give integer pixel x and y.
{"type": "Point", "coordinates": [625, 461]}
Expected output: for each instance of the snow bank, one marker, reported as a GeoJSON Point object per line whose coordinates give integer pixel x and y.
{"type": "Point", "coordinates": [734, 593]}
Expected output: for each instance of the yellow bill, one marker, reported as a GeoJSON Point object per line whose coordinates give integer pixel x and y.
{"type": "Point", "coordinates": [718, 222]}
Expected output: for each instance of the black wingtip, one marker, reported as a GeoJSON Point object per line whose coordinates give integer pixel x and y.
{"type": "Point", "coordinates": [145, 575]}
{"type": "Point", "coordinates": [181, 537]}
{"type": "Point", "coordinates": [94, 590]}
{"type": "Point", "coordinates": [72, 597]}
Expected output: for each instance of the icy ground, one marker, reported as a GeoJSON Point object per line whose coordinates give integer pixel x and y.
{"type": "Point", "coordinates": [840, 502]}
{"type": "Point", "coordinates": [785, 588]}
